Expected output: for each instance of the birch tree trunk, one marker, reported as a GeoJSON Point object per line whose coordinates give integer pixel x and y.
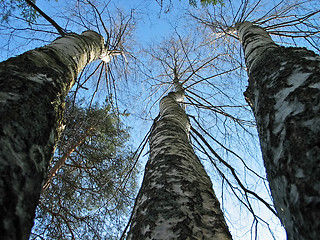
{"type": "Point", "coordinates": [284, 93]}
{"type": "Point", "coordinates": [32, 90]}
{"type": "Point", "coordinates": [176, 200]}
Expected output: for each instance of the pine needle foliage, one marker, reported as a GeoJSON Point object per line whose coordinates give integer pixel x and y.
{"type": "Point", "coordinates": [18, 7]}
{"type": "Point", "coordinates": [90, 193]}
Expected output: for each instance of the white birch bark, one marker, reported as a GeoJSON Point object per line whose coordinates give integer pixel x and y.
{"type": "Point", "coordinates": [32, 90]}
{"type": "Point", "coordinates": [176, 200]}
{"type": "Point", "coordinates": [284, 93]}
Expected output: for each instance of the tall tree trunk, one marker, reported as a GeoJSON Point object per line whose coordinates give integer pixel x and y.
{"type": "Point", "coordinates": [176, 200]}
{"type": "Point", "coordinates": [284, 93]}
{"type": "Point", "coordinates": [32, 90]}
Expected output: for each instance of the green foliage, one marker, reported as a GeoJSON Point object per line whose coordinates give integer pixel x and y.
{"type": "Point", "coordinates": [19, 7]}
{"type": "Point", "coordinates": [90, 194]}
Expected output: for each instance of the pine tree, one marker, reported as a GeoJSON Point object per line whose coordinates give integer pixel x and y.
{"type": "Point", "coordinates": [88, 188]}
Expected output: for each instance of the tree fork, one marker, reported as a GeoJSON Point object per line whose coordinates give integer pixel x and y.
{"type": "Point", "coordinates": [176, 200]}
{"type": "Point", "coordinates": [32, 91]}
{"type": "Point", "coordinates": [284, 93]}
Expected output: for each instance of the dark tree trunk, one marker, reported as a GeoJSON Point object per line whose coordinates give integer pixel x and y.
{"type": "Point", "coordinates": [32, 91]}
{"type": "Point", "coordinates": [176, 200]}
{"type": "Point", "coordinates": [284, 93]}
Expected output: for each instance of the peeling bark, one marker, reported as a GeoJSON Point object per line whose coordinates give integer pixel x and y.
{"type": "Point", "coordinates": [176, 200]}
{"type": "Point", "coordinates": [284, 93]}
{"type": "Point", "coordinates": [32, 91]}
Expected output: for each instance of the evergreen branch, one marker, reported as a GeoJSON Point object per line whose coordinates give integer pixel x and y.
{"type": "Point", "coordinates": [62, 160]}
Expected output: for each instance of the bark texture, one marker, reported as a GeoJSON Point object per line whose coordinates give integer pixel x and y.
{"type": "Point", "coordinates": [176, 200]}
{"type": "Point", "coordinates": [284, 93]}
{"type": "Point", "coordinates": [32, 90]}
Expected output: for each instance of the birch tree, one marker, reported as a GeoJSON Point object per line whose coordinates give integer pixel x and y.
{"type": "Point", "coordinates": [176, 199]}
{"type": "Point", "coordinates": [33, 88]}
{"type": "Point", "coordinates": [284, 94]}
{"type": "Point", "coordinates": [210, 114]}
{"type": "Point", "coordinates": [209, 101]}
